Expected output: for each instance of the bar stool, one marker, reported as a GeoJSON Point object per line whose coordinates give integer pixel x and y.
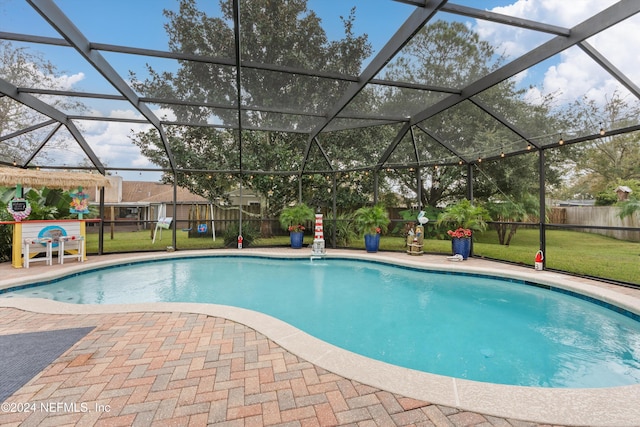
{"type": "Point", "coordinates": [71, 243]}
{"type": "Point", "coordinates": [32, 247]}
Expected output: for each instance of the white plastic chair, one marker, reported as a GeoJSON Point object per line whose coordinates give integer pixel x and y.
{"type": "Point", "coordinates": [32, 247]}
{"type": "Point", "coordinates": [68, 244]}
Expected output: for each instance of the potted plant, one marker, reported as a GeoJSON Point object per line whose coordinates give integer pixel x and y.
{"type": "Point", "coordinates": [370, 221]}
{"type": "Point", "coordinates": [463, 218]}
{"type": "Point", "coordinates": [293, 218]}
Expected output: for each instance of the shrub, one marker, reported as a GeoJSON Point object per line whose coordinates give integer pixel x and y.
{"type": "Point", "coordinates": [371, 219]}
{"type": "Point", "coordinates": [293, 218]}
{"type": "Point", "coordinates": [606, 198]}
{"type": "Point", "coordinates": [250, 234]}
{"type": "Point", "coordinates": [6, 237]}
{"type": "Point", "coordinates": [345, 233]}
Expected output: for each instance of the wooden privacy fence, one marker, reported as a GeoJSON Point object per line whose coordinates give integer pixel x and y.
{"type": "Point", "coordinates": [601, 216]}
{"type": "Point", "coordinates": [193, 216]}
{"type": "Point", "coordinates": [225, 217]}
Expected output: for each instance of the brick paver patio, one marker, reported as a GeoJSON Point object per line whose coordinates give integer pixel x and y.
{"type": "Point", "coordinates": [177, 369]}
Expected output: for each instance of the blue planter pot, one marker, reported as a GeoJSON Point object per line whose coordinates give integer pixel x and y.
{"type": "Point", "coordinates": [461, 246]}
{"type": "Point", "coordinates": [296, 239]}
{"type": "Point", "coordinates": [372, 242]}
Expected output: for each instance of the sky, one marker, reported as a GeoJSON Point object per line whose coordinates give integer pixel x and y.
{"type": "Point", "coordinates": [139, 23]}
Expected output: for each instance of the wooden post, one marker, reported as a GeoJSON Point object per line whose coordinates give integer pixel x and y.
{"type": "Point", "coordinates": [16, 255]}
{"type": "Point", "coordinates": [113, 214]}
{"type": "Point", "coordinates": [152, 214]}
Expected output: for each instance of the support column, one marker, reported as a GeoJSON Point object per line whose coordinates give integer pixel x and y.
{"type": "Point", "coordinates": [101, 232]}
{"type": "Point", "coordinates": [334, 190]}
{"type": "Point", "coordinates": [375, 187]}
{"type": "Point", "coordinates": [543, 208]}
{"type": "Point", "coordinates": [470, 194]}
{"type": "Point", "coordinates": [470, 181]}
{"type": "Point", "coordinates": [419, 187]}
{"type": "Point", "coordinates": [174, 239]}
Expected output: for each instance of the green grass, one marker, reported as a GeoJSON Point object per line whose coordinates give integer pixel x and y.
{"type": "Point", "coordinates": [574, 252]}
{"type": "Point", "coordinates": [134, 241]}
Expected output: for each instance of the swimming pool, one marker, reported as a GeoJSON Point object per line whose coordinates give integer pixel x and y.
{"type": "Point", "coordinates": [464, 326]}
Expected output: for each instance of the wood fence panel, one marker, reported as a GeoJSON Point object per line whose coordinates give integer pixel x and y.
{"type": "Point", "coordinates": [604, 216]}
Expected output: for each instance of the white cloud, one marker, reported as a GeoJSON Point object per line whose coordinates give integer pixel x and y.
{"type": "Point", "coordinates": [572, 74]}
{"type": "Point", "coordinates": [66, 82]}
{"type": "Point", "coordinates": [111, 141]}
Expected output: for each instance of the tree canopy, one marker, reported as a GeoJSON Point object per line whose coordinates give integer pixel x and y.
{"type": "Point", "coordinates": [26, 68]}
{"type": "Point", "coordinates": [283, 33]}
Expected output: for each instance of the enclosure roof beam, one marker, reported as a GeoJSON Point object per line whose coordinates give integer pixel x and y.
{"type": "Point", "coordinates": [443, 143]}
{"type": "Point", "coordinates": [499, 117]}
{"type": "Point", "coordinates": [390, 149]}
{"type": "Point", "coordinates": [333, 75]}
{"type": "Point", "coordinates": [173, 101]}
{"type": "Point", "coordinates": [150, 100]}
{"type": "Point", "coordinates": [415, 146]}
{"type": "Point", "coordinates": [74, 93]}
{"type": "Point", "coordinates": [63, 25]}
{"type": "Point", "coordinates": [409, 28]}
{"type": "Point", "coordinates": [611, 69]}
{"type": "Point", "coordinates": [42, 144]}
{"type": "Point", "coordinates": [27, 130]}
{"type": "Point", "coordinates": [595, 24]}
{"type": "Point", "coordinates": [418, 3]}
{"type": "Point", "coordinates": [32, 102]}
{"type": "Point", "coordinates": [29, 38]}
{"type": "Point", "coordinates": [324, 153]}
{"type": "Point", "coordinates": [500, 18]}
{"type": "Point", "coordinates": [53, 113]}
{"type": "Point", "coordinates": [184, 123]}
{"type": "Point", "coordinates": [224, 61]}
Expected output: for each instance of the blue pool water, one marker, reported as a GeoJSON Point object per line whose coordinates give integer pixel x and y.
{"type": "Point", "coordinates": [464, 326]}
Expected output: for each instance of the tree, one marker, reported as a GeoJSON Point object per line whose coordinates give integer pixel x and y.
{"type": "Point", "coordinates": [464, 214]}
{"type": "Point", "coordinates": [602, 162]}
{"type": "Point", "coordinates": [508, 212]}
{"type": "Point", "coordinates": [6, 231]}
{"type": "Point", "coordinates": [629, 207]}
{"type": "Point", "coordinates": [24, 68]}
{"type": "Point", "coordinates": [449, 54]}
{"type": "Point", "coordinates": [280, 33]}
{"type": "Point", "coordinates": [194, 148]}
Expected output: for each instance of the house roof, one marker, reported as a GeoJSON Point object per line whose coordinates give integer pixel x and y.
{"type": "Point", "coordinates": [624, 189]}
{"type": "Point", "coordinates": [156, 192]}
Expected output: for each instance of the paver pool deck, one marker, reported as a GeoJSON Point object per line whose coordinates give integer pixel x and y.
{"type": "Point", "coordinates": [204, 364]}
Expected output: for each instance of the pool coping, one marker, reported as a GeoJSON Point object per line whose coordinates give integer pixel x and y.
{"type": "Point", "coordinates": [612, 406]}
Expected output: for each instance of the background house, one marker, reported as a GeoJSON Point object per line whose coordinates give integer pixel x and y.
{"type": "Point", "coordinates": [139, 204]}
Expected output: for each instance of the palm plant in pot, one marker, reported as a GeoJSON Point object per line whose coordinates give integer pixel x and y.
{"type": "Point", "coordinates": [371, 221]}
{"type": "Point", "coordinates": [293, 219]}
{"type": "Point", "coordinates": [463, 218]}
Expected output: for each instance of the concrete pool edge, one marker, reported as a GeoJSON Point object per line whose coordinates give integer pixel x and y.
{"type": "Point", "coordinates": [606, 406]}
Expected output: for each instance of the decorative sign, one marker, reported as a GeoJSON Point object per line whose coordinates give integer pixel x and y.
{"type": "Point", "coordinates": [165, 222]}
{"type": "Point", "coordinates": [19, 208]}
{"type": "Point", "coordinates": [79, 203]}
{"type": "Point", "coordinates": [53, 232]}
{"type": "Point", "coordinates": [18, 205]}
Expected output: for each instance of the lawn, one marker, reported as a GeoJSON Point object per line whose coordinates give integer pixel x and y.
{"type": "Point", "coordinates": [571, 251]}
